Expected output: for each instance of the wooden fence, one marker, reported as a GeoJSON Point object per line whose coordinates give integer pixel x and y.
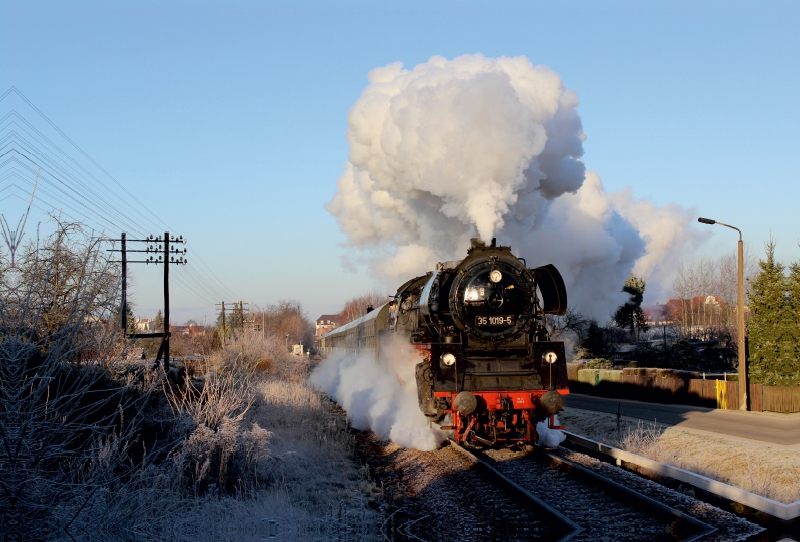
{"type": "Point", "coordinates": [692, 391]}
{"type": "Point", "coordinates": [781, 399]}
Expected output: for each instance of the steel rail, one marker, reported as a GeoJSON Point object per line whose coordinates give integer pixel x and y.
{"type": "Point", "coordinates": [779, 510]}
{"type": "Point", "coordinates": [472, 458]}
{"type": "Point", "coordinates": [705, 528]}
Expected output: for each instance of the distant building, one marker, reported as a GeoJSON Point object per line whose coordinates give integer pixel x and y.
{"type": "Point", "coordinates": [144, 324]}
{"type": "Point", "coordinates": [191, 330]}
{"type": "Point", "coordinates": [326, 323]}
{"type": "Point", "coordinates": [623, 352]}
{"type": "Point", "coordinates": [708, 305]}
{"type": "Point", "coordinates": [702, 308]}
{"type": "Point", "coordinates": [657, 315]}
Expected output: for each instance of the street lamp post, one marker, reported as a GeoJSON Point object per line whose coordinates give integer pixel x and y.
{"type": "Point", "coordinates": [740, 316]}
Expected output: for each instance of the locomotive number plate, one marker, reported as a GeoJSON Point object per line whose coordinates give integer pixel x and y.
{"type": "Point", "coordinates": [483, 321]}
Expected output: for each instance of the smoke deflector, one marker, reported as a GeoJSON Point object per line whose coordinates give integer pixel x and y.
{"type": "Point", "coordinates": [554, 292]}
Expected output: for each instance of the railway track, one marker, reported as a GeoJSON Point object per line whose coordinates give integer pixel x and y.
{"type": "Point", "coordinates": [440, 495]}
{"type": "Point", "coordinates": [589, 505]}
{"type": "Point", "coordinates": [455, 494]}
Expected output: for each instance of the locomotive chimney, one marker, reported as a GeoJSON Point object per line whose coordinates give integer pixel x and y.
{"type": "Point", "coordinates": [370, 308]}
{"type": "Point", "coordinates": [477, 243]}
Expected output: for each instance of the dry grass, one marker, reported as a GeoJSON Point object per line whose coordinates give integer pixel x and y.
{"type": "Point", "coordinates": [257, 455]}
{"type": "Point", "coordinates": [287, 448]}
{"type": "Point", "coordinates": [305, 485]}
{"type": "Point", "coordinates": [768, 470]}
{"type": "Point", "coordinates": [250, 352]}
{"type": "Point", "coordinates": [93, 447]}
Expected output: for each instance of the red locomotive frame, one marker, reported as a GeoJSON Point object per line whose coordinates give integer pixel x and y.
{"type": "Point", "coordinates": [525, 405]}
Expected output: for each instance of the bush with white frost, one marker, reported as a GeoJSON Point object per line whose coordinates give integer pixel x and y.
{"type": "Point", "coordinates": [93, 447]}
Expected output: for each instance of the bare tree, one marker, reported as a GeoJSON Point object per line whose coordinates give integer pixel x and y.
{"type": "Point", "coordinates": [572, 322]}
{"type": "Point", "coordinates": [71, 272]}
{"type": "Point", "coordinates": [356, 307]}
{"type": "Point", "coordinates": [286, 317]}
{"type": "Point", "coordinates": [66, 420]}
{"type": "Point", "coordinates": [704, 293]}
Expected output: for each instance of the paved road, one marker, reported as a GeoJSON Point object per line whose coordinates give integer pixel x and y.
{"type": "Point", "coordinates": [764, 426]}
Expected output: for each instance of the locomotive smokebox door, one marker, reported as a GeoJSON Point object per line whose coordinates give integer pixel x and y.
{"type": "Point", "coordinates": [551, 361]}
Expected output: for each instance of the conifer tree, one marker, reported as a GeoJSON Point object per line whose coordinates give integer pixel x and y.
{"type": "Point", "coordinates": [792, 369]}
{"type": "Point", "coordinates": [131, 318]}
{"type": "Point", "coordinates": [158, 321]}
{"type": "Point", "coordinates": [630, 315]}
{"type": "Point", "coordinates": [596, 342]}
{"type": "Point", "coordinates": [771, 326]}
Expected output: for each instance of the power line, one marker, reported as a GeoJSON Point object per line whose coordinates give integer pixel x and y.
{"type": "Point", "coordinates": [79, 194]}
{"type": "Point", "coordinates": [98, 198]}
{"type": "Point", "coordinates": [72, 200]}
{"type": "Point", "coordinates": [53, 162]}
{"type": "Point", "coordinates": [14, 89]}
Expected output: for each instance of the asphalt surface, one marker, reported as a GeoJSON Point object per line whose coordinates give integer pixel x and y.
{"type": "Point", "coordinates": [783, 429]}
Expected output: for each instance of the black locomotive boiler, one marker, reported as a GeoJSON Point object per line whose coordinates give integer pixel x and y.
{"type": "Point", "coordinates": [486, 368]}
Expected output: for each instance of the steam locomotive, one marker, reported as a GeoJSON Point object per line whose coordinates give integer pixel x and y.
{"type": "Point", "coordinates": [485, 367]}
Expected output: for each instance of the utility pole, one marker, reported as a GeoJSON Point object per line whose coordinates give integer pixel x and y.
{"type": "Point", "coordinates": [242, 319]}
{"type": "Point", "coordinates": [166, 256]}
{"type": "Point", "coordinates": [124, 303]}
{"type": "Point", "coordinates": [165, 340]}
{"type": "Point", "coordinates": [241, 305]}
{"type": "Point", "coordinates": [223, 323]}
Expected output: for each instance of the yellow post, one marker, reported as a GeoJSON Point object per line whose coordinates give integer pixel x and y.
{"type": "Point", "coordinates": [722, 394]}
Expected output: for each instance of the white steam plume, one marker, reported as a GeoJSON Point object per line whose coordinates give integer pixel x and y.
{"type": "Point", "coordinates": [379, 395]}
{"type": "Point", "coordinates": [480, 147]}
{"type": "Point", "coordinates": [550, 438]}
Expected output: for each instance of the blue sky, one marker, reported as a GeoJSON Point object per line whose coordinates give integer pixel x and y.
{"type": "Point", "coordinates": [228, 120]}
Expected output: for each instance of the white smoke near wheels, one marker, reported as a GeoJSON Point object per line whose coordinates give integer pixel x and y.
{"type": "Point", "coordinates": [550, 438]}
{"type": "Point", "coordinates": [481, 147]}
{"type": "Point", "coordinates": [379, 395]}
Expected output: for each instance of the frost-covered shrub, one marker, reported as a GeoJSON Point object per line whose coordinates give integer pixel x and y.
{"type": "Point", "coordinates": [95, 447]}
{"type": "Point", "coordinates": [225, 459]}
{"type": "Point", "coordinates": [68, 415]}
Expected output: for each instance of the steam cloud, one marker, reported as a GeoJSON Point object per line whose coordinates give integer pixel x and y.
{"type": "Point", "coordinates": [550, 438]}
{"type": "Point", "coordinates": [480, 147]}
{"type": "Point", "coordinates": [381, 396]}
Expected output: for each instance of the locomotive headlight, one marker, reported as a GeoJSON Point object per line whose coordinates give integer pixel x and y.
{"type": "Point", "coordinates": [448, 359]}
{"type": "Point", "coordinates": [495, 276]}
{"type": "Point", "coordinates": [550, 357]}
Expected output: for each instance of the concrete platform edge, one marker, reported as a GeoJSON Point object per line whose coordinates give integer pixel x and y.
{"type": "Point", "coordinates": [777, 509]}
